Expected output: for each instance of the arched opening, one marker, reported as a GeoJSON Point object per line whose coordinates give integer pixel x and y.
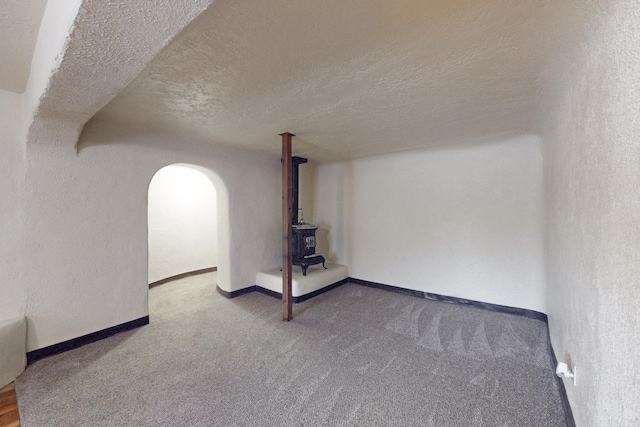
{"type": "Point", "coordinates": [187, 225]}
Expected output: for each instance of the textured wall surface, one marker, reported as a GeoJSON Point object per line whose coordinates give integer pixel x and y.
{"type": "Point", "coordinates": [19, 25]}
{"type": "Point", "coordinates": [86, 242]}
{"type": "Point", "coordinates": [332, 205]}
{"type": "Point", "coordinates": [462, 221]}
{"type": "Point", "coordinates": [592, 156]}
{"type": "Point", "coordinates": [12, 291]}
{"type": "Point", "coordinates": [87, 51]}
{"type": "Point", "coordinates": [183, 223]}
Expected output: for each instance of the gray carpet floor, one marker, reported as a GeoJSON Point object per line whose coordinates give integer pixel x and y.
{"type": "Point", "coordinates": [352, 356]}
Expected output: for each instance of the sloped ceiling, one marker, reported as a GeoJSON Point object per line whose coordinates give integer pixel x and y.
{"type": "Point", "coordinates": [19, 24]}
{"type": "Point", "coordinates": [350, 78]}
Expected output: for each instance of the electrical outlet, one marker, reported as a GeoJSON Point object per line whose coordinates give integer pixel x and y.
{"type": "Point", "coordinates": [562, 371]}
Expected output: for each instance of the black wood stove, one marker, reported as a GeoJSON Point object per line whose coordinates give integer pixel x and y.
{"type": "Point", "coordinates": [303, 245]}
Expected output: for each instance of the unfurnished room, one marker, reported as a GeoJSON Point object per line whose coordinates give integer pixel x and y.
{"type": "Point", "coordinates": [302, 213]}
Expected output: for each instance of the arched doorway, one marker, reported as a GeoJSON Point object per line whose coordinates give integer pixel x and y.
{"type": "Point", "coordinates": [188, 230]}
{"type": "Point", "coordinates": [182, 223]}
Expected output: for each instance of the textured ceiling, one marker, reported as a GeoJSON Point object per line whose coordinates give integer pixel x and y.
{"type": "Point", "coordinates": [19, 24]}
{"type": "Point", "coordinates": [350, 78]}
{"type": "Point", "coordinates": [82, 65]}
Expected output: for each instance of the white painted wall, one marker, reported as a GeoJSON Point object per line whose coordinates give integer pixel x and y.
{"type": "Point", "coordinates": [53, 38]}
{"type": "Point", "coordinates": [332, 200]}
{"type": "Point", "coordinates": [182, 217]}
{"type": "Point", "coordinates": [592, 158]}
{"type": "Point", "coordinates": [465, 221]}
{"type": "Point", "coordinates": [12, 291]}
{"type": "Point", "coordinates": [86, 239]}
{"type": "Point", "coordinates": [18, 41]}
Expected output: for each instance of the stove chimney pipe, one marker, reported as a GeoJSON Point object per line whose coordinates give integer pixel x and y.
{"type": "Point", "coordinates": [296, 162]}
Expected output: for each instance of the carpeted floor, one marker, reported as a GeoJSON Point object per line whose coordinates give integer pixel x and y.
{"type": "Point", "coordinates": [352, 356]}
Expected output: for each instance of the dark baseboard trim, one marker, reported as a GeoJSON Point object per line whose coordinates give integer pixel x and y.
{"type": "Point", "coordinates": [71, 344]}
{"type": "Point", "coordinates": [568, 413]}
{"type": "Point", "coordinates": [531, 314]}
{"type": "Point", "coordinates": [304, 297]}
{"type": "Point", "coordinates": [268, 292]}
{"type": "Point", "coordinates": [237, 293]}
{"type": "Point", "coordinates": [523, 312]}
{"type": "Point", "coordinates": [182, 276]}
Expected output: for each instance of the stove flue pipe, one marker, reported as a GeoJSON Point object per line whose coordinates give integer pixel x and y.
{"type": "Point", "coordinates": [295, 177]}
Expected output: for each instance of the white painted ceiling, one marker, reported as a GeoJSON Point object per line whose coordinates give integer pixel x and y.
{"type": "Point", "coordinates": [19, 24]}
{"type": "Point", "coordinates": [350, 78]}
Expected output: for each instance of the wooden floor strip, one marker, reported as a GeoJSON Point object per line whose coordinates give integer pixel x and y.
{"type": "Point", "coordinates": [9, 414]}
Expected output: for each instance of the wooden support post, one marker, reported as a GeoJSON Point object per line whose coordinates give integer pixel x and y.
{"type": "Point", "coordinates": [287, 218]}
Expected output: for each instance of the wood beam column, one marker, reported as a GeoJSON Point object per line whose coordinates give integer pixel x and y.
{"type": "Point", "coordinates": [287, 218]}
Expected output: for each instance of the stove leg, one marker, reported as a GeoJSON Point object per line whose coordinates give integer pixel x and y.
{"type": "Point", "coordinates": [304, 270]}
{"type": "Point", "coordinates": [324, 265]}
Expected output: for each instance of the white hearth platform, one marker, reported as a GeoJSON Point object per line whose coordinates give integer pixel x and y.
{"type": "Point", "coordinates": [13, 349]}
{"type": "Point", "coordinates": [316, 278]}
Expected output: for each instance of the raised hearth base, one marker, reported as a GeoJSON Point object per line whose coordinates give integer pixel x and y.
{"type": "Point", "coordinates": [316, 279]}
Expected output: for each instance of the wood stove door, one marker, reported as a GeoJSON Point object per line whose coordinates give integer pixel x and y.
{"type": "Point", "coordinates": [304, 243]}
